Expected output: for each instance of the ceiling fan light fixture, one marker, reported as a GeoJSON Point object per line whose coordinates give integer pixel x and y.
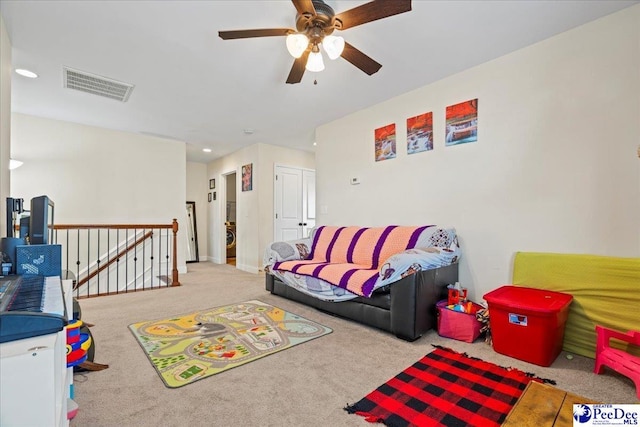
{"type": "Point", "coordinates": [314, 62]}
{"type": "Point", "coordinates": [315, 22]}
{"type": "Point", "coordinates": [333, 45]}
{"type": "Point", "coordinates": [297, 43]}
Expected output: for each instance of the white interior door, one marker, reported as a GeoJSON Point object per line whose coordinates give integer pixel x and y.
{"type": "Point", "coordinates": [308, 201]}
{"type": "Point", "coordinates": [295, 202]}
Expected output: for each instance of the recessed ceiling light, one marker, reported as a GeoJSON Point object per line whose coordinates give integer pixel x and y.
{"type": "Point", "coordinates": [314, 144]}
{"type": "Point", "coordinates": [26, 73]}
{"type": "Point", "coordinates": [14, 164]}
{"type": "Point", "coordinates": [206, 150]}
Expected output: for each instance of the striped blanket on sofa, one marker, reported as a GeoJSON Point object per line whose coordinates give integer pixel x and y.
{"type": "Point", "coordinates": [350, 257]}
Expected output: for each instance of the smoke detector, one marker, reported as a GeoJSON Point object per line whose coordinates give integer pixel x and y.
{"type": "Point", "coordinates": [96, 85]}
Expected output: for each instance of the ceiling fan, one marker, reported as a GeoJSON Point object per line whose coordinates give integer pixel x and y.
{"type": "Point", "coordinates": [315, 24]}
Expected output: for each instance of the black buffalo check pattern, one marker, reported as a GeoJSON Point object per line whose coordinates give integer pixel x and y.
{"type": "Point", "coordinates": [445, 388]}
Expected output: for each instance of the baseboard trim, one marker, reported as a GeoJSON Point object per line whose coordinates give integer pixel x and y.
{"type": "Point", "coordinates": [247, 268]}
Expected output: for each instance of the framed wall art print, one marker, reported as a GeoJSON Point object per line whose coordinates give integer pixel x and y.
{"type": "Point", "coordinates": [462, 123]}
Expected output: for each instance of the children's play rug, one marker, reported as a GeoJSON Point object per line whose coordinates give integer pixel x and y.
{"type": "Point", "coordinates": [445, 388]}
{"type": "Point", "coordinates": [193, 346]}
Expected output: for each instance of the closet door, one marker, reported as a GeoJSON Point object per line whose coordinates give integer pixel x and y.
{"type": "Point", "coordinates": [308, 201]}
{"type": "Point", "coordinates": [295, 194]}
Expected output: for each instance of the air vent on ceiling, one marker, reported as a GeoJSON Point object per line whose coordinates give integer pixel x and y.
{"type": "Point", "coordinates": [96, 85]}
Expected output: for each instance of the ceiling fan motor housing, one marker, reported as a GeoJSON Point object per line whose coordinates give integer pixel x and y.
{"type": "Point", "coordinates": [324, 19]}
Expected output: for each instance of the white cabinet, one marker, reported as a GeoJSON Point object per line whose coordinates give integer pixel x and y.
{"type": "Point", "coordinates": [34, 378]}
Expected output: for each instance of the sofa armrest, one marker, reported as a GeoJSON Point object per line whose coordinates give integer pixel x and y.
{"type": "Point", "coordinates": [286, 251]}
{"type": "Point", "coordinates": [414, 298]}
{"type": "Point", "coordinates": [410, 261]}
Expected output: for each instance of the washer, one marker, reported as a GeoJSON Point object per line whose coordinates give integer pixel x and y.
{"type": "Point", "coordinates": [231, 239]}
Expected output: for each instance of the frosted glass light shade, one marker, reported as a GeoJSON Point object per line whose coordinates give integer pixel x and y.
{"type": "Point", "coordinates": [296, 44]}
{"type": "Point", "coordinates": [333, 45]}
{"type": "Point", "coordinates": [315, 62]}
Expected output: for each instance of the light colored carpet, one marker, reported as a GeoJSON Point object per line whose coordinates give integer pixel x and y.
{"type": "Point", "coordinates": [306, 385]}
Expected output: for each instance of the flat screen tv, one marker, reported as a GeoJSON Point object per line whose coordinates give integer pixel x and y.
{"type": "Point", "coordinates": [41, 221]}
{"type": "Point", "coordinates": [24, 227]}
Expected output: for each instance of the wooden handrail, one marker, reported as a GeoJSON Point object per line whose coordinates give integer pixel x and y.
{"type": "Point", "coordinates": [147, 235]}
{"type": "Point", "coordinates": [114, 226]}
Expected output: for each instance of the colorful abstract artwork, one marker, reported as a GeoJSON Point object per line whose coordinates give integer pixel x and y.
{"type": "Point", "coordinates": [247, 177]}
{"type": "Point", "coordinates": [420, 133]}
{"type": "Point", "coordinates": [385, 142]}
{"type": "Point", "coordinates": [462, 123]}
{"type": "Point", "coordinates": [189, 347]}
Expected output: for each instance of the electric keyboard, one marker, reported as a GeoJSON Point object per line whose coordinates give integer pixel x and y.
{"type": "Point", "coordinates": [30, 306]}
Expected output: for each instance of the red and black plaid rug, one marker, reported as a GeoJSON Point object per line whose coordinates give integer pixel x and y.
{"type": "Point", "coordinates": [446, 388]}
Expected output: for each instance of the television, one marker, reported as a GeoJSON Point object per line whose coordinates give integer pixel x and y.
{"type": "Point", "coordinates": [41, 221]}
{"type": "Point", "coordinates": [14, 207]}
{"type": "Point", "coordinates": [24, 227]}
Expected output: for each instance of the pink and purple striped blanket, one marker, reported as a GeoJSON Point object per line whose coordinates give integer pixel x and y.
{"type": "Point", "coordinates": [350, 257]}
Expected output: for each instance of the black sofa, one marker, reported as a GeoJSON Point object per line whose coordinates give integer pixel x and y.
{"type": "Point", "coordinates": [406, 308]}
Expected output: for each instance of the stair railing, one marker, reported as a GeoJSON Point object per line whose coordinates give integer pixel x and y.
{"type": "Point", "coordinates": [108, 259]}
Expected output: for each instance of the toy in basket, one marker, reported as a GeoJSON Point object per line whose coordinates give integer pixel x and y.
{"type": "Point", "coordinates": [456, 295]}
{"type": "Point", "coordinates": [457, 316]}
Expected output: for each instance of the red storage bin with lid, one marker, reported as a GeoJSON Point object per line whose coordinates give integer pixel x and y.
{"type": "Point", "coordinates": [528, 323]}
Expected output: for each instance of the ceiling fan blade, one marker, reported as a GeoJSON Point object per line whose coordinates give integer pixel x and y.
{"type": "Point", "coordinates": [360, 60]}
{"type": "Point", "coordinates": [372, 11]}
{"type": "Point", "coordinates": [297, 70]}
{"type": "Point", "coordinates": [304, 6]}
{"type": "Point", "coordinates": [245, 34]}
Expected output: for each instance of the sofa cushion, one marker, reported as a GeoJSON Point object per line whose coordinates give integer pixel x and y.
{"type": "Point", "coordinates": [362, 246]}
{"type": "Point", "coordinates": [358, 279]}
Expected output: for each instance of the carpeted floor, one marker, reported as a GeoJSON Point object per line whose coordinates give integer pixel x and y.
{"type": "Point", "coordinates": [306, 385]}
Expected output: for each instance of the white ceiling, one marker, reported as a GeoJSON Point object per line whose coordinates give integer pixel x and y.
{"type": "Point", "coordinates": [192, 86]}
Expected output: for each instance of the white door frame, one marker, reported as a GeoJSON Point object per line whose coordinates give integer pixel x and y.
{"type": "Point", "coordinates": [222, 212]}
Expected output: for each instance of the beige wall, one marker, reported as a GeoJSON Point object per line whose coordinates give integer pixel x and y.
{"type": "Point", "coordinates": [254, 209]}
{"type": "Point", "coordinates": [554, 169]}
{"type": "Point", "coordinates": [197, 191]}
{"type": "Point", "coordinates": [100, 176]}
{"type": "Point", "coordinates": [5, 122]}
{"type": "Point", "coordinates": [246, 210]}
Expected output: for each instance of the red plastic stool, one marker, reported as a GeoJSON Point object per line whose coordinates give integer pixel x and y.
{"type": "Point", "coordinates": [618, 360]}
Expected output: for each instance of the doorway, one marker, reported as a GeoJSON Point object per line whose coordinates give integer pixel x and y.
{"type": "Point", "coordinates": [230, 219]}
